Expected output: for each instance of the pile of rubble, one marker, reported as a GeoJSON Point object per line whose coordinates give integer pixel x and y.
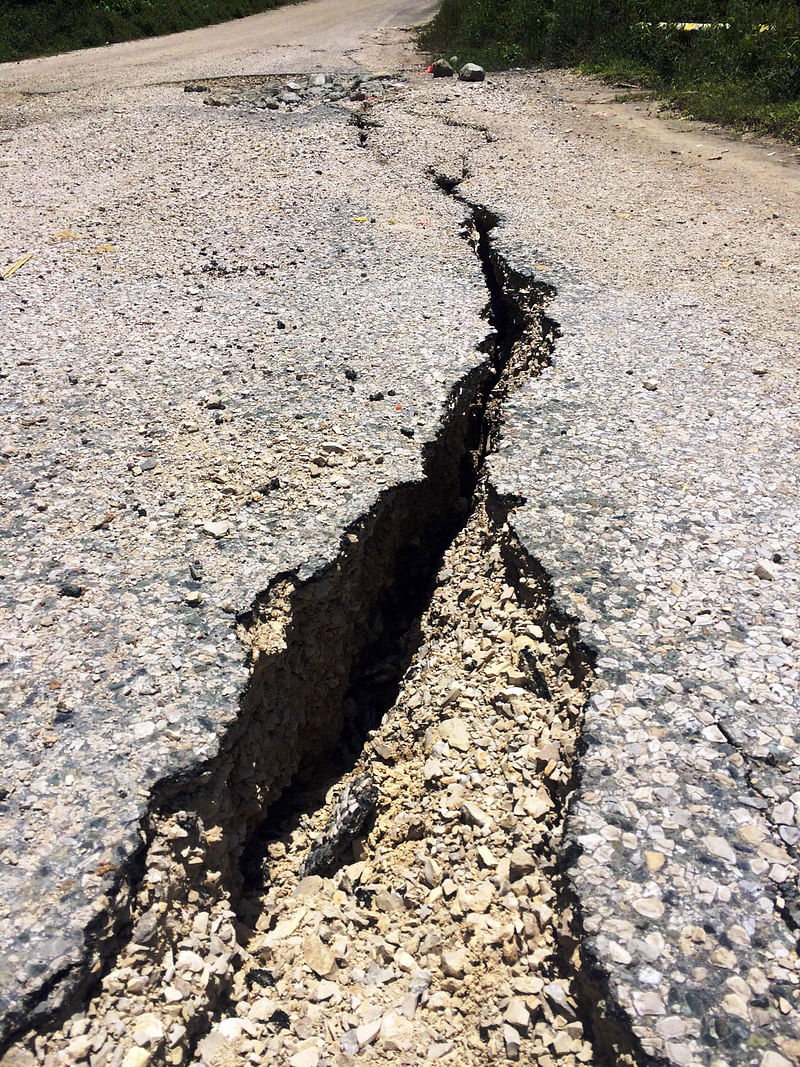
{"type": "Point", "coordinates": [299, 92]}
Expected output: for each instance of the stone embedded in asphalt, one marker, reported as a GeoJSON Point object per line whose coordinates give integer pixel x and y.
{"type": "Point", "coordinates": [471, 72]}
{"type": "Point", "coordinates": [765, 570]}
{"type": "Point", "coordinates": [774, 1059]}
{"type": "Point", "coordinates": [719, 848]}
{"type": "Point", "coordinates": [654, 860]}
{"type": "Point", "coordinates": [216, 530]}
{"type": "Point", "coordinates": [649, 907]}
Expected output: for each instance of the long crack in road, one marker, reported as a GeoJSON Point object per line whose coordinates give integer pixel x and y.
{"type": "Point", "coordinates": [388, 674]}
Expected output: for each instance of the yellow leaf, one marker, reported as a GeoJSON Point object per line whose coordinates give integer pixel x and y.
{"type": "Point", "coordinates": [727, 262]}
{"type": "Point", "coordinates": [15, 266]}
{"type": "Point", "coordinates": [106, 248]}
{"type": "Point", "coordinates": [359, 218]}
{"type": "Point", "coordinates": [66, 235]}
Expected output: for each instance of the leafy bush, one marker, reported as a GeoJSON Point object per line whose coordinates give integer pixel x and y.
{"type": "Point", "coordinates": [42, 27]}
{"type": "Point", "coordinates": [745, 69]}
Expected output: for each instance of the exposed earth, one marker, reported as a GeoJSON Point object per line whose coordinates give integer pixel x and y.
{"type": "Point", "coordinates": [399, 621]}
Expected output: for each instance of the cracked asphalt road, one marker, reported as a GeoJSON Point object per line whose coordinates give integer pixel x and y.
{"type": "Point", "coordinates": [208, 274]}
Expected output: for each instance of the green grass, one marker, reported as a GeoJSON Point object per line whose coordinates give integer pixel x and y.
{"type": "Point", "coordinates": [733, 74]}
{"type": "Point", "coordinates": [634, 98]}
{"type": "Point", "coordinates": [43, 27]}
{"type": "Point", "coordinates": [741, 107]}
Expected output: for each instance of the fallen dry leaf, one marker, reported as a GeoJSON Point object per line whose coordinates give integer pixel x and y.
{"type": "Point", "coordinates": [15, 266]}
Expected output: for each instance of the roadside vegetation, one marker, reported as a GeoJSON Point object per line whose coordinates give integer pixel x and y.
{"type": "Point", "coordinates": [43, 27]}
{"type": "Point", "coordinates": [743, 69]}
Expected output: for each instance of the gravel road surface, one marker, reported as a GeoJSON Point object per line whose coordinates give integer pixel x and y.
{"type": "Point", "coordinates": [264, 360]}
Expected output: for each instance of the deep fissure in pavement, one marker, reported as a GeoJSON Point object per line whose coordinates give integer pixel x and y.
{"type": "Point", "coordinates": [518, 344]}
{"type": "Point", "coordinates": [328, 656]}
{"type": "Point", "coordinates": [517, 301]}
{"type": "Point", "coordinates": [293, 715]}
